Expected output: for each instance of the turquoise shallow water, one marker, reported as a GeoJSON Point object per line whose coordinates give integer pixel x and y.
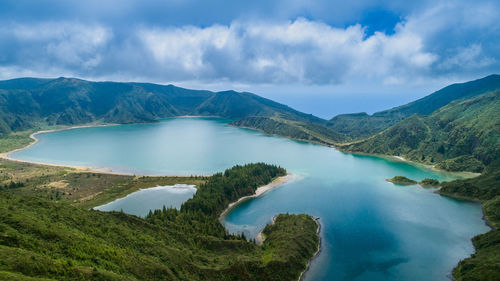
{"type": "Point", "coordinates": [140, 202]}
{"type": "Point", "coordinates": [371, 229]}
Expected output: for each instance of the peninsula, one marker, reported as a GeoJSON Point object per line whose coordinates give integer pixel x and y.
{"type": "Point", "coordinates": [189, 243]}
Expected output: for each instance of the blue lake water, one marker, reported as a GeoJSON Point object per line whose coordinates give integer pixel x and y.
{"type": "Point", "coordinates": [371, 229]}
{"type": "Point", "coordinates": [170, 196]}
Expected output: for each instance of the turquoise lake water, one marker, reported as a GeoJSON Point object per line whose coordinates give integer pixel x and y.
{"type": "Point", "coordinates": [170, 196]}
{"type": "Point", "coordinates": [371, 229]}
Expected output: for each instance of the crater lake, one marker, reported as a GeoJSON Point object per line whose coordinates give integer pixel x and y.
{"type": "Point", "coordinates": [371, 229]}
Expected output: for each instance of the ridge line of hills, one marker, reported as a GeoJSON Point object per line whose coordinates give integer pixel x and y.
{"type": "Point", "coordinates": [360, 125]}
{"type": "Point", "coordinates": [440, 129]}
{"type": "Point", "coordinates": [26, 103]}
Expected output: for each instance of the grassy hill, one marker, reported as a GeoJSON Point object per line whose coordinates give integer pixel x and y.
{"type": "Point", "coordinates": [28, 103]}
{"type": "Point", "coordinates": [47, 239]}
{"type": "Point", "coordinates": [361, 125]}
{"type": "Point", "coordinates": [305, 131]}
{"type": "Point", "coordinates": [463, 135]}
{"type": "Point", "coordinates": [235, 105]}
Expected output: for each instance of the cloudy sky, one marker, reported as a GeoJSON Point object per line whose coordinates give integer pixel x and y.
{"type": "Point", "coordinates": [322, 57]}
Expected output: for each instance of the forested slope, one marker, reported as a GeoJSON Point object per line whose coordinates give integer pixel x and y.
{"type": "Point", "coordinates": [361, 125]}
{"type": "Point", "coordinates": [27, 103]}
{"type": "Point", "coordinates": [44, 239]}
{"type": "Point", "coordinates": [305, 131]}
{"type": "Point", "coordinates": [461, 136]}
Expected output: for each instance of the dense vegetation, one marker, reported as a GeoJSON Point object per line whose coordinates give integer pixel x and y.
{"type": "Point", "coordinates": [484, 187]}
{"type": "Point", "coordinates": [215, 195]}
{"type": "Point", "coordinates": [455, 127]}
{"type": "Point", "coordinates": [461, 163]}
{"type": "Point", "coordinates": [293, 129]}
{"type": "Point", "coordinates": [429, 183]}
{"type": "Point", "coordinates": [361, 125]}
{"type": "Point", "coordinates": [400, 180]}
{"type": "Point", "coordinates": [276, 240]}
{"type": "Point", "coordinates": [43, 239]}
{"type": "Point", "coordinates": [466, 133]}
{"type": "Point", "coordinates": [29, 103]}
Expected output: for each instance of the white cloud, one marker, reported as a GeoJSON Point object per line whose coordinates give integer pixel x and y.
{"type": "Point", "coordinates": [183, 48]}
{"type": "Point", "coordinates": [59, 43]}
{"type": "Point", "coordinates": [433, 43]}
{"type": "Point", "coordinates": [300, 50]}
{"type": "Point", "coordinates": [468, 57]}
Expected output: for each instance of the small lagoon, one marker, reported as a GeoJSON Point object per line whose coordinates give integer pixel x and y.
{"type": "Point", "coordinates": [140, 202]}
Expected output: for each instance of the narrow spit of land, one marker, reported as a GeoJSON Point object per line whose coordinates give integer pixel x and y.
{"type": "Point", "coordinates": [260, 191]}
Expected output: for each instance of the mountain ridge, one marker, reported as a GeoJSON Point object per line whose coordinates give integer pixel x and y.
{"type": "Point", "coordinates": [28, 102]}
{"type": "Point", "coordinates": [462, 128]}
{"type": "Point", "coordinates": [361, 125]}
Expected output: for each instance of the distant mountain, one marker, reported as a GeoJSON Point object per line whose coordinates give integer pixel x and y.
{"type": "Point", "coordinates": [463, 135]}
{"type": "Point", "coordinates": [29, 102]}
{"type": "Point", "coordinates": [235, 105]}
{"type": "Point", "coordinates": [361, 125]}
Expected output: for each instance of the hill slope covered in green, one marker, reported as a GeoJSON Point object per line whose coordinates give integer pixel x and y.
{"type": "Point", "coordinates": [306, 131]}
{"type": "Point", "coordinates": [361, 125]}
{"type": "Point", "coordinates": [28, 103]}
{"type": "Point", "coordinates": [465, 133]}
{"type": "Point", "coordinates": [42, 239]}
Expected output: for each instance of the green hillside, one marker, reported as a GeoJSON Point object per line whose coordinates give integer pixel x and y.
{"type": "Point", "coordinates": [456, 129]}
{"type": "Point", "coordinates": [465, 133]}
{"type": "Point", "coordinates": [484, 187]}
{"type": "Point", "coordinates": [28, 103]}
{"type": "Point", "coordinates": [360, 125]}
{"type": "Point", "coordinates": [305, 131]}
{"type": "Point", "coordinates": [234, 105]}
{"type": "Point", "coordinates": [42, 239]}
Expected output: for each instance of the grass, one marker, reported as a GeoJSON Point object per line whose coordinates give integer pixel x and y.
{"type": "Point", "coordinates": [43, 238]}
{"type": "Point", "coordinates": [63, 184]}
{"type": "Point", "coordinates": [15, 140]}
{"type": "Point", "coordinates": [84, 189]}
{"type": "Point", "coordinates": [48, 231]}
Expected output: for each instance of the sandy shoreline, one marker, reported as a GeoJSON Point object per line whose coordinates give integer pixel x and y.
{"type": "Point", "coordinates": [103, 170]}
{"type": "Point", "coordinates": [260, 190]}
{"type": "Point", "coordinates": [6, 155]}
